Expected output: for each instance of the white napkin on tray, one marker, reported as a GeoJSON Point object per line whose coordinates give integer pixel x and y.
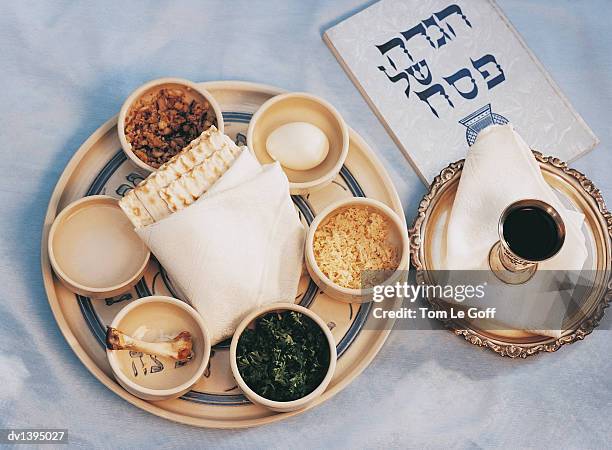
{"type": "Point", "coordinates": [237, 247]}
{"type": "Point", "coordinates": [500, 169]}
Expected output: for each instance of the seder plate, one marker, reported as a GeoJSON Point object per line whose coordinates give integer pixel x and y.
{"type": "Point", "coordinates": [101, 167]}
{"type": "Point", "coordinates": [576, 192]}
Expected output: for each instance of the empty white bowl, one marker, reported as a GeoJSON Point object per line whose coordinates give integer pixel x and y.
{"type": "Point", "coordinates": [94, 250]}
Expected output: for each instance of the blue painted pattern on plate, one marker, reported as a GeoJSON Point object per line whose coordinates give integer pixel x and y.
{"type": "Point", "coordinates": [160, 283]}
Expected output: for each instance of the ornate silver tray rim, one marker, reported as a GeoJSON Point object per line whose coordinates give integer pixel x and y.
{"type": "Point", "coordinates": [475, 337]}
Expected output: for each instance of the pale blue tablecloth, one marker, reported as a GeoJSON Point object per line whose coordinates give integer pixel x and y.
{"type": "Point", "coordinates": [66, 68]}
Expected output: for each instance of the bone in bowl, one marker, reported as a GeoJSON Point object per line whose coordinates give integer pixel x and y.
{"type": "Point", "coordinates": [147, 372]}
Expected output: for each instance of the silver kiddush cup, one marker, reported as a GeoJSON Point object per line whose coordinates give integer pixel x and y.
{"type": "Point", "coordinates": [530, 231]}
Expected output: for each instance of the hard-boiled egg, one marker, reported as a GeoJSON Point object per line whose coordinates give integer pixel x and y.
{"type": "Point", "coordinates": [298, 145]}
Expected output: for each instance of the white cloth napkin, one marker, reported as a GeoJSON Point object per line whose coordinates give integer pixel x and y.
{"type": "Point", "coordinates": [236, 248]}
{"type": "Point", "coordinates": [500, 169]}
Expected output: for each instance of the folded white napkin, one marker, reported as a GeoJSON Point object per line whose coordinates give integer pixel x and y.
{"type": "Point", "coordinates": [500, 169]}
{"type": "Point", "coordinates": [237, 247]}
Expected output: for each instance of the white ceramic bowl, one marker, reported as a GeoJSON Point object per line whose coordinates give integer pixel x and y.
{"type": "Point", "coordinates": [159, 316]}
{"type": "Point", "coordinates": [398, 237]}
{"type": "Point", "coordinates": [94, 250]}
{"type": "Point", "coordinates": [294, 404]}
{"type": "Point", "coordinates": [192, 89]}
{"type": "Point", "coordinates": [301, 107]}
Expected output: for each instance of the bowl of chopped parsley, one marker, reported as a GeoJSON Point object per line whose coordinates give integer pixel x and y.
{"type": "Point", "coordinates": [283, 356]}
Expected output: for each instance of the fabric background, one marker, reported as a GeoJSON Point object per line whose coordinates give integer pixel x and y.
{"type": "Point", "coordinates": [66, 68]}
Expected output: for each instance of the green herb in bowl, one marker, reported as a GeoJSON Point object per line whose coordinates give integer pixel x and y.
{"type": "Point", "coordinates": [284, 357]}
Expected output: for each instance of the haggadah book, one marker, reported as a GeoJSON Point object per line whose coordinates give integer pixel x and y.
{"type": "Point", "coordinates": [436, 72]}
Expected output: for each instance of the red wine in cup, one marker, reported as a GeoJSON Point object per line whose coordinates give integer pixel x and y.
{"type": "Point", "coordinates": [531, 233]}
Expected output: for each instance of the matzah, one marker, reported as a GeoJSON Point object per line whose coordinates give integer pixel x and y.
{"type": "Point", "coordinates": [181, 180]}
{"type": "Point", "coordinates": [135, 211]}
{"type": "Point", "coordinates": [183, 191]}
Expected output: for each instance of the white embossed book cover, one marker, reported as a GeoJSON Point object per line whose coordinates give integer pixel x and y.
{"type": "Point", "coordinates": [436, 72]}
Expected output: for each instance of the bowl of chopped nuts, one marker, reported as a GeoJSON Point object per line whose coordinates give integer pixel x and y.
{"type": "Point", "coordinates": [354, 245]}
{"type": "Point", "coordinates": [162, 117]}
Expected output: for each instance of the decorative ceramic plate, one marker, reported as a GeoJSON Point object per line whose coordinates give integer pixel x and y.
{"type": "Point", "coordinates": [575, 192]}
{"type": "Point", "coordinates": [101, 167]}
